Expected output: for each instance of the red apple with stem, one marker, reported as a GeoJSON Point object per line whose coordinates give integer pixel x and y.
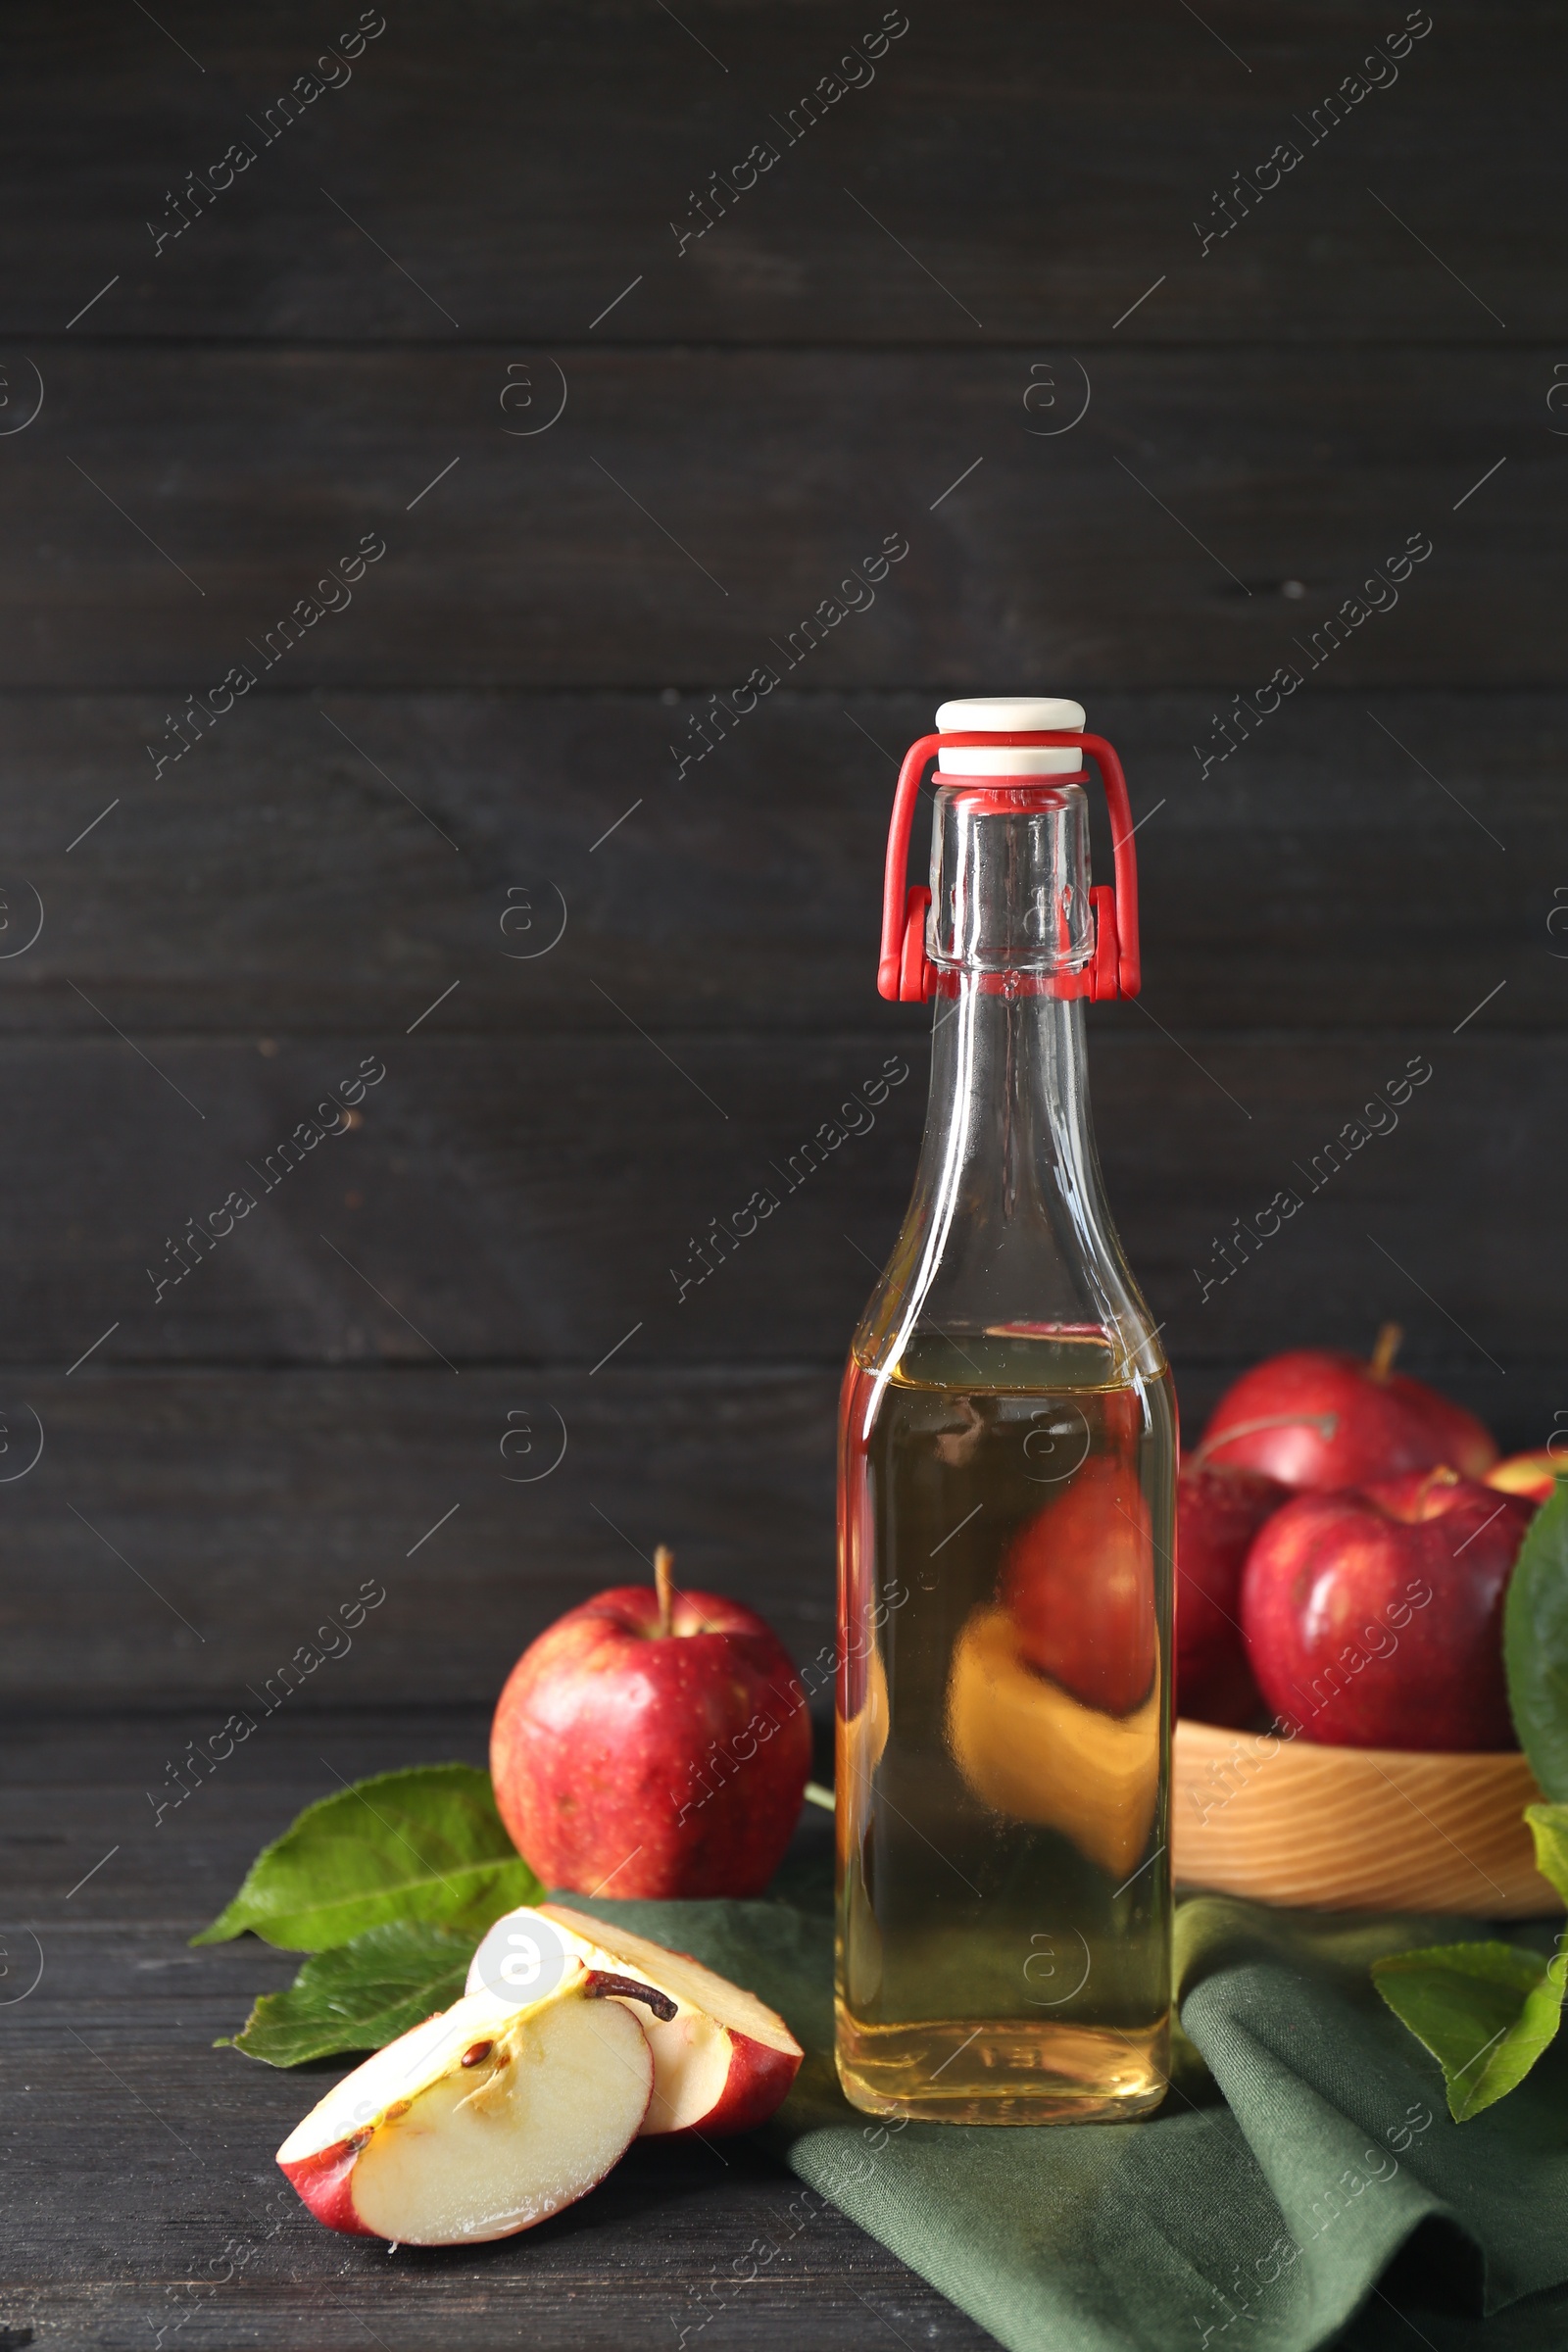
{"type": "Point", "coordinates": [1315, 1418]}
{"type": "Point", "coordinates": [653, 1742]}
{"type": "Point", "coordinates": [1374, 1618]}
{"type": "Point", "coordinates": [1218, 1512]}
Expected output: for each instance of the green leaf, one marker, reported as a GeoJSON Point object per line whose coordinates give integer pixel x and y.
{"type": "Point", "coordinates": [359, 1996]}
{"type": "Point", "coordinates": [1548, 1826]}
{"type": "Point", "coordinates": [1486, 2011]}
{"type": "Point", "coordinates": [421, 1844]}
{"type": "Point", "coordinates": [1535, 1644]}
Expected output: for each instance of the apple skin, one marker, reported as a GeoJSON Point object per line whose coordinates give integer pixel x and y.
{"type": "Point", "coordinates": [756, 2086]}
{"type": "Point", "coordinates": [610, 1735]}
{"type": "Point", "coordinates": [1385, 1424]}
{"type": "Point", "coordinates": [1332, 1579]}
{"type": "Point", "coordinates": [1078, 1582]}
{"type": "Point", "coordinates": [325, 2183]}
{"type": "Point", "coordinates": [1218, 1512]}
{"type": "Point", "coordinates": [1533, 1475]}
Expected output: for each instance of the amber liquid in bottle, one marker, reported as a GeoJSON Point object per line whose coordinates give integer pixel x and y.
{"type": "Point", "coordinates": [1003, 1911]}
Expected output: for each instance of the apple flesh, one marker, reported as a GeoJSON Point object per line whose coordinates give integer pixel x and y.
{"type": "Point", "coordinates": [1078, 1582]}
{"type": "Point", "coordinates": [653, 1742]}
{"type": "Point", "coordinates": [1313, 1418]}
{"type": "Point", "coordinates": [1218, 1513]}
{"type": "Point", "coordinates": [1374, 1619]}
{"type": "Point", "coordinates": [1533, 1475]}
{"type": "Point", "coordinates": [723, 2061]}
{"type": "Point", "coordinates": [480, 2122]}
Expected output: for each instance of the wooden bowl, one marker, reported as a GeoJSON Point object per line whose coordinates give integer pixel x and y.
{"type": "Point", "coordinates": [1354, 1829]}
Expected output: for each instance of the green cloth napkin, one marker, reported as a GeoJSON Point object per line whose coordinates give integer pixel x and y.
{"type": "Point", "coordinates": [1264, 2202]}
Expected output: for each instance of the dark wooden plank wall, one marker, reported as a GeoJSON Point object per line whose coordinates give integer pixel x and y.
{"type": "Point", "coordinates": [362, 340]}
{"type": "Point", "coordinates": [420, 791]}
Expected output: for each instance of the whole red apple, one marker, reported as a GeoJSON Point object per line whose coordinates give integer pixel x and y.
{"type": "Point", "coordinates": [653, 1742]}
{"type": "Point", "coordinates": [1078, 1580]}
{"type": "Point", "coordinates": [1218, 1512]}
{"type": "Point", "coordinates": [1374, 1619]}
{"type": "Point", "coordinates": [1533, 1475]}
{"type": "Point", "coordinates": [1313, 1418]}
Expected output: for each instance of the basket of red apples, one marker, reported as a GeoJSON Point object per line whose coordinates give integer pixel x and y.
{"type": "Point", "coordinates": [1344, 1540]}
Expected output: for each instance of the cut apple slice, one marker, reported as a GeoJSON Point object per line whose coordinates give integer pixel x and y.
{"type": "Point", "coordinates": [479, 2123]}
{"type": "Point", "coordinates": [722, 2063]}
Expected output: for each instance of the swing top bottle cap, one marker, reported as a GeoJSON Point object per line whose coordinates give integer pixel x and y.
{"type": "Point", "coordinates": [1011, 714]}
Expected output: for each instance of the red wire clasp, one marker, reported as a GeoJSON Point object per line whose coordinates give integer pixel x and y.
{"type": "Point", "coordinates": [905, 975]}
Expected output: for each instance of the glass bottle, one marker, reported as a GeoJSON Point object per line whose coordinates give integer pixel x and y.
{"type": "Point", "coordinates": [1007, 1497]}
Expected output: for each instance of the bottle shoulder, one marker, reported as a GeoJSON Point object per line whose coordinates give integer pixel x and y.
{"type": "Point", "coordinates": [1075, 1312]}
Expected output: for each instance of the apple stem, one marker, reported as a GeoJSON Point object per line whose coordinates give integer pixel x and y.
{"type": "Point", "coordinates": [601, 1985]}
{"type": "Point", "coordinates": [664, 1585]}
{"type": "Point", "coordinates": [1390, 1340]}
{"type": "Point", "coordinates": [1324, 1423]}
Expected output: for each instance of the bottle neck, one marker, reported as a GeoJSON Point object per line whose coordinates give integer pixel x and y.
{"type": "Point", "coordinates": [1008, 1232]}
{"type": "Point", "coordinates": [1008, 1185]}
{"type": "Point", "coordinates": [1008, 1104]}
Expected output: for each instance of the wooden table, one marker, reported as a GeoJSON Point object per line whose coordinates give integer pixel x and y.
{"type": "Point", "coordinates": [142, 2203]}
